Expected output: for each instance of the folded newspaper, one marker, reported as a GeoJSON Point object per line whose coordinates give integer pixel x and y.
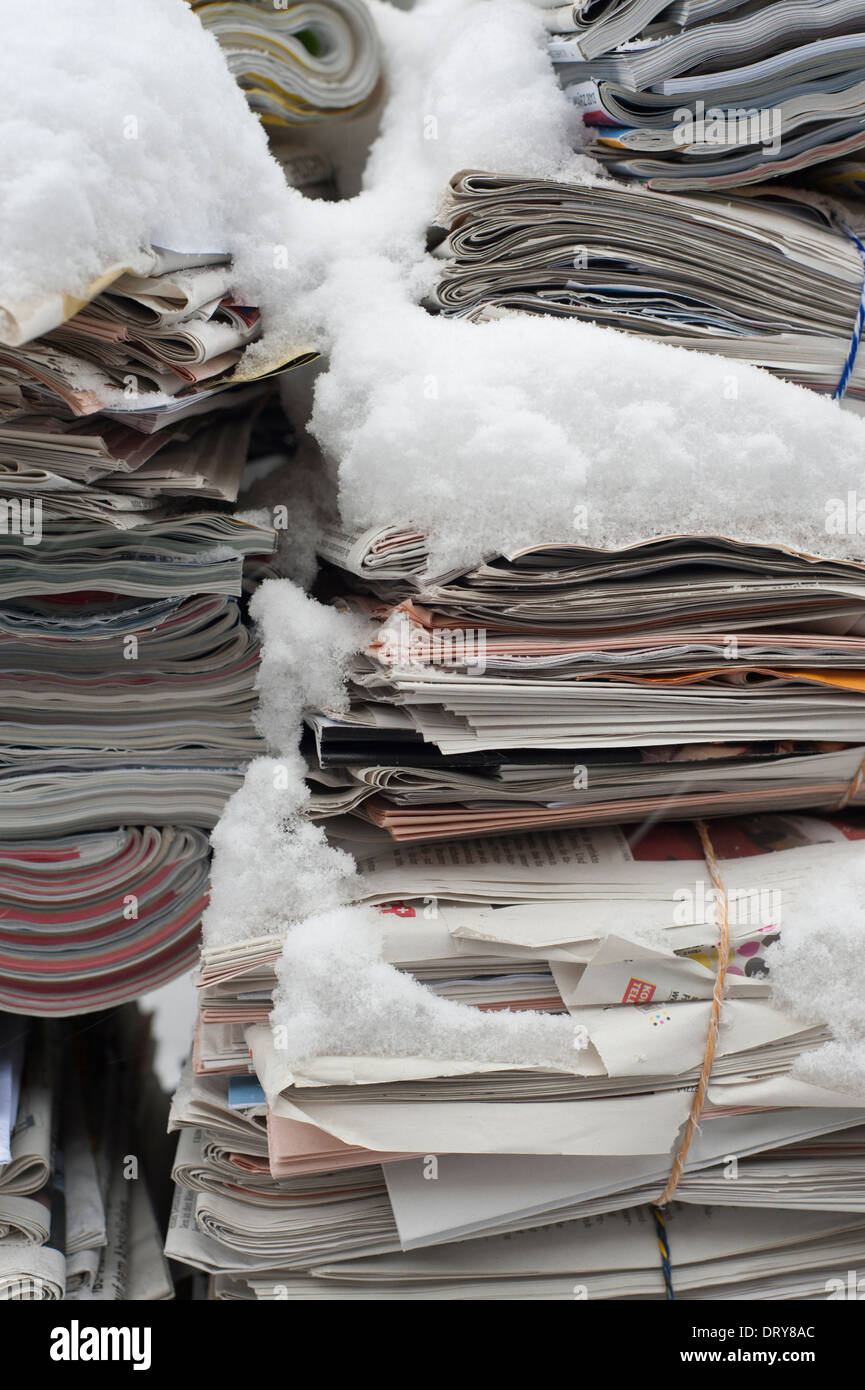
{"type": "Point", "coordinates": [142, 388]}
{"type": "Point", "coordinates": [771, 278]}
{"type": "Point", "coordinates": [128, 676]}
{"type": "Point", "coordinates": [715, 94]}
{"type": "Point", "coordinates": [563, 685]}
{"type": "Point", "coordinates": [78, 1218]}
{"type": "Point", "coordinates": [298, 63]}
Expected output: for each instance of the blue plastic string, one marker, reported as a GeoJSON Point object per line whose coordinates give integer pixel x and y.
{"type": "Point", "coordinates": [664, 1247]}
{"type": "Point", "coordinates": [841, 388]}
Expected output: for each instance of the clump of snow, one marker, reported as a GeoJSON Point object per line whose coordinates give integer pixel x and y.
{"type": "Point", "coordinates": [271, 867]}
{"type": "Point", "coordinates": [837, 1066]}
{"type": "Point", "coordinates": [121, 127]}
{"type": "Point", "coordinates": [817, 973]}
{"type": "Point", "coordinates": [306, 646]}
{"type": "Point", "coordinates": [337, 996]}
{"type": "Point", "coordinates": [491, 436]}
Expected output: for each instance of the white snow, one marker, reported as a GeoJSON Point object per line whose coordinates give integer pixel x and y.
{"type": "Point", "coordinates": [306, 647]}
{"type": "Point", "coordinates": [528, 430]}
{"type": "Point", "coordinates": [271, 867]}
{"type": "Point", "coordinates": [817, 973]}
{"type": "Point", "coordinates": [337, 997]}
{"type": "Point", "coordinates": [120, 128]}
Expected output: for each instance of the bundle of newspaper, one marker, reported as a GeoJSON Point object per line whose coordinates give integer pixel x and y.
{"type": "Point", "coordinates": [713, 93]}
{"type": "Point", "coordinates": [127, 692]}
{"type": "Point", "coordinates": [771, 280]}
{"type": "Point", "coordinates": [127, 689]}
{"type": "Point", "coordinates": [115, 708]}
{"type": "Point", "coordinates": [78, 1112]}
{"type": "Point", "coordinates": [298, 63]}
{"type": "Point", "coordinates": [140, 390]}
{"type": "Point", "coordinates": [562, 685]}
{"type": "Point", "coordinates": [128, 672]}
{"type": "Point", "coordinates": [494, 715]}
{"type": "Point", "coordinates": [91, 920]}
{"type": "Point", "coordinates": [400, 1176]}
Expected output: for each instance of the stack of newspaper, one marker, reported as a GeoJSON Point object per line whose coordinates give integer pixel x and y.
{"type": "Point", "coordinates": [714, 93]}
{"type": "Point", "coordinates": [139, 392]}
{"type": "Point", "coordinates": [771, 280]}
{"type": "Point", "coordinates": [562, 685]}
{"type": "Point", "coordinates": [78, 1113]}
{"type": "Point", "coordinates": [127, 687]}
{"type": "Point", "coordinates": [95, 919]}
{"type": "Point", "coordinates": [117, 708]}
{"type": "Point", "coordinates": [511, 721]}
{"type": "Point", "coordinates": [298, 63]}
{"type": "Point", "coordinates": [408, 1176]}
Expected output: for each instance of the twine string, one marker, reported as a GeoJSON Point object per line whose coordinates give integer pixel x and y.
{"type": "Point", "coordinates": [852, 788]}
{"type": "Point", "coordinates": [699, 1099]}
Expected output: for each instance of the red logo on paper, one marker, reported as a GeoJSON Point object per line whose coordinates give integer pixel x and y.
{"type": "Point", "coordinates": [638, 992]}
{"type": "Point", "coordinates": [398, 909]}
